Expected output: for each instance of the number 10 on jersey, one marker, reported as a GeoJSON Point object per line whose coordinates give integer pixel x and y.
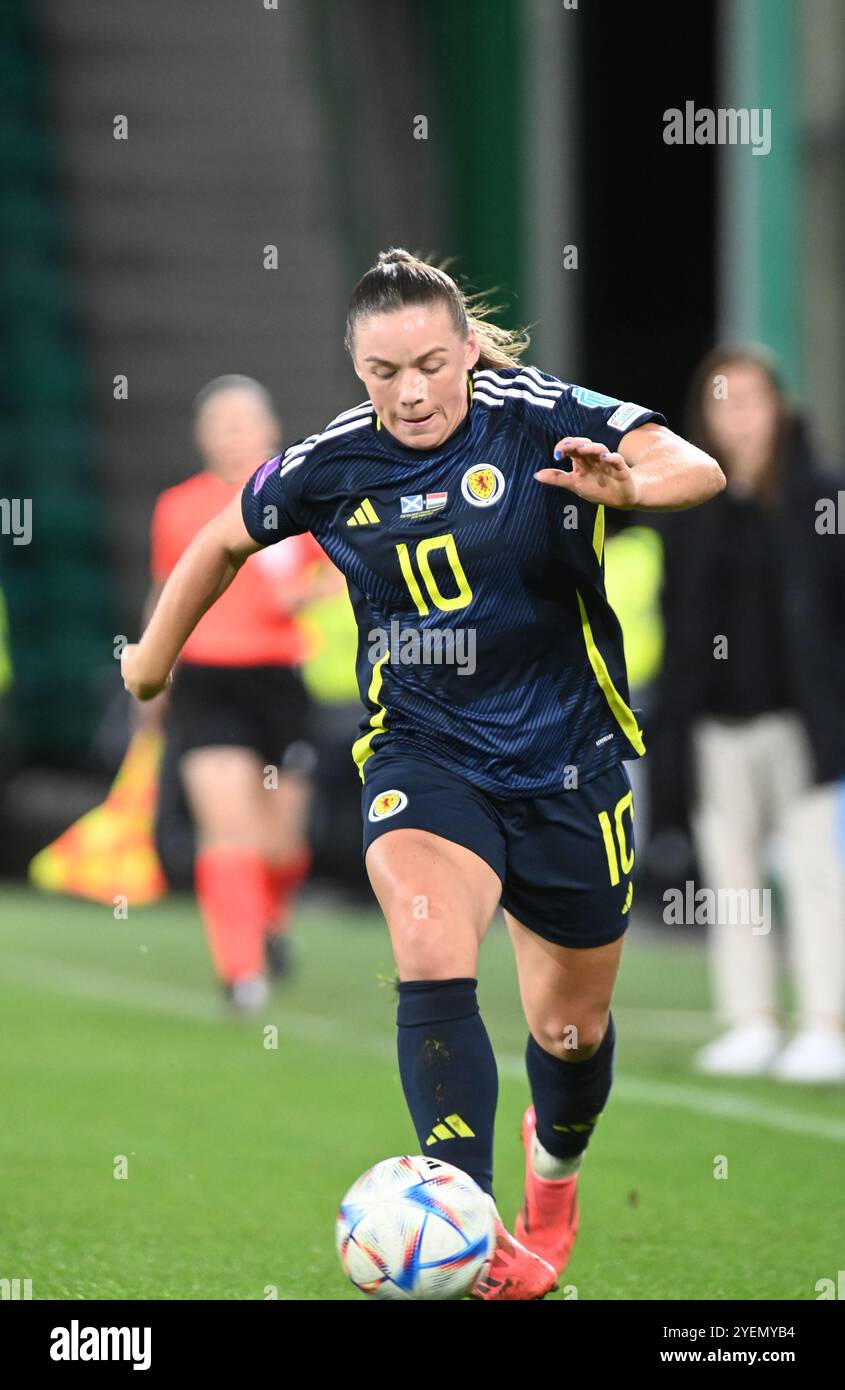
{"type": "Point", "coordinates": [421, 562]}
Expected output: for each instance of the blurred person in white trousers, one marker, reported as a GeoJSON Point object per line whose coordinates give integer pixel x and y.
{"type": "Point", "coordinates": [754, 604]}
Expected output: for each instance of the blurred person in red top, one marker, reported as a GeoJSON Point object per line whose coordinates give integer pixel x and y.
{"type": "Point", "coordinates": [237, 704]}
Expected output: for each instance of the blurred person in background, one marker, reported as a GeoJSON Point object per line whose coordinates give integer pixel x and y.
{"type": "Point", "coordinates": [754, 606]}
{"type": "Point", "coordinates": [238, 708]}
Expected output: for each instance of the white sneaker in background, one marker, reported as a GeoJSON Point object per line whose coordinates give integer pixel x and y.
{"type": "Point", "coordinates": [747, 1050]}
{"type": "Point", "coordinates": [814, 1054]}
{"type": "Point", "coordinates": [248, 995]}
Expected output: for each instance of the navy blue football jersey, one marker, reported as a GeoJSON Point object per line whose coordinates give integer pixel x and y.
{"type": "Point", "coordinates": [485, 639]}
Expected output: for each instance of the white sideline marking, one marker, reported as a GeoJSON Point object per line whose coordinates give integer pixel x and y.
{"type": "Point", "coordinates": [729, 1106]}
{"type": "Point", "coordinates": [159, 997]}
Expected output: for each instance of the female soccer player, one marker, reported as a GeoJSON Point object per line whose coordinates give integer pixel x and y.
{"type": "Point", "coordinates": [238, 705]}
{"type": "Point", "coordinates": [494, 775]}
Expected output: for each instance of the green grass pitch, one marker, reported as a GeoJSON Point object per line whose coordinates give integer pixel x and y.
{"type": "Point", "coordinates": [114, 1042]}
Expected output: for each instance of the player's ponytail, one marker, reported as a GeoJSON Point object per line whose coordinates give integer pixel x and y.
{"type": "Point", "coordinates": [399, 278]}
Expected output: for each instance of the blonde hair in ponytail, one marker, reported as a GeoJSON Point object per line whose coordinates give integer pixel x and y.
{"type": "Point", "coordinates": [399, 278]}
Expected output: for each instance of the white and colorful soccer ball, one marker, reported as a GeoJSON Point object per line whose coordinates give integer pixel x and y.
{"type": "Point", "coordinates": [415, 1227]}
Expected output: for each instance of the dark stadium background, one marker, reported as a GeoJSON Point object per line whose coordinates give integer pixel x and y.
{"type": "Point", "coordinates": [294, 127]}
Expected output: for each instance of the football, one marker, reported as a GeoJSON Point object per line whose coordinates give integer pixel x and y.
{"type": "Point", "coordinates": [414, 1227]}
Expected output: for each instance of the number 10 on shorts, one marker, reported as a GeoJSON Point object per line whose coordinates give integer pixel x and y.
{"type": "Point", "coordinates": [625, 857]}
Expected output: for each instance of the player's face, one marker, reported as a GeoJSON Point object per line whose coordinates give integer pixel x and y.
{"type": "Point", "coordinates": [414, 366]}
{"type": "Point", "coordinates": [742, 413]}
{"type": "Point", "coordinates": [235, 432]}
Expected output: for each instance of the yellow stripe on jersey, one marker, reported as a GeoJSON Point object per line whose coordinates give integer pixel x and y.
{"type": "Point", "coordinates": [370, 511]}
{"type": "Point", "coordinates": [598, 533]}
{"type": "Point", "coordinates": [362, 747]}
{"type": "Point", "coordinates": [621, 711]}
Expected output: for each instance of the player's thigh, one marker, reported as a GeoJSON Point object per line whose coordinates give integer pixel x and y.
{"type": "Point", "coordinates": [437, 897]}
{"type": "Point", "coordinates": [435, 853]}
{"type": "Point", "coordinates": [565, 991]}
{"type": "Point", "coordinates": [224, 787]}
{"type": "Point", "coordinates": [567, 899]}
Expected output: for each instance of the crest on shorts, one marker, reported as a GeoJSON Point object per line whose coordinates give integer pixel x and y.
{"type": "Point", "coordinates": [388, 804]}
{"type": "Point", "coordinates": [483, 485]}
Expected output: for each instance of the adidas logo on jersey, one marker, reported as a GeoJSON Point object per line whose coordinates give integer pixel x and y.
{"type": "Point", "coordinates": [365, 515]}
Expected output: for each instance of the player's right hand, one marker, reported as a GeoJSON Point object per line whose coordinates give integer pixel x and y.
{"type": "Point", "coordinates": [136, 681]}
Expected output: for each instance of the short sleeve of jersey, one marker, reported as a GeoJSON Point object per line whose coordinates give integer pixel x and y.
{"type": "Point", "coordinates": [579, 411]}
{"type": "Point", "coordinates": [270, 500]}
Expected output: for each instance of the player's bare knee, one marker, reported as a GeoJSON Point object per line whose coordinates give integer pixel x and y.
{"type": "Point", "coordinates": [429, 948]}
{"type": "Point", "coordinates": [572, 1040]}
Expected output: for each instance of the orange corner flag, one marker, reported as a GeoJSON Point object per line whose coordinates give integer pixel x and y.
{"type": "Point", "coordinates": [110, 850]}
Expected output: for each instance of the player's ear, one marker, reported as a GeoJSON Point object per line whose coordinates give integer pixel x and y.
{"type": "Point", "coordinates": [472, 349]}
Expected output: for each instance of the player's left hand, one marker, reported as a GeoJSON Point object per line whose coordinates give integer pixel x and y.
{"type": "Point", "coordinates": [597, 474]}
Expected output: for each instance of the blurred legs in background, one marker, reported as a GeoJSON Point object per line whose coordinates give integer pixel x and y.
{"type": "Point", "coordinates": [754, 780]}
{"type": "Point", "coordinates": [251, 857]}
{"type": "Point", "coordinates": [288, 856]}
{"type": "Point", "coordinates": [730, 824]}
{"type": "Point", "coordinates": [814, 899]}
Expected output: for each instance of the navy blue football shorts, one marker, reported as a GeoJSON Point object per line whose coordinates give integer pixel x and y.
{"type": "Point", "coordinates": [565, 861]}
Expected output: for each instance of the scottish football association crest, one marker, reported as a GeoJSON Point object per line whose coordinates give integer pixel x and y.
{"type": "Point", "coordinates": [387, 804]}
{"type": "Point", "coordinates": [483, 485]}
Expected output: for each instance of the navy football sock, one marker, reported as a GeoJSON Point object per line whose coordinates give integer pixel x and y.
{"type": "Point", "coordinates": [569, 1096]}
{"type": "Point", "coordinates": [448, 1073]}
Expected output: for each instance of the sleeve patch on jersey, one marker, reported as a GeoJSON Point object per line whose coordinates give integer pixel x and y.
{"type": "Point", "coordinates": [263, 474]}
{"type": "Point", "coordinates": [589, 398]}
{"type": "Point", "coordinates": [622, 417]}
